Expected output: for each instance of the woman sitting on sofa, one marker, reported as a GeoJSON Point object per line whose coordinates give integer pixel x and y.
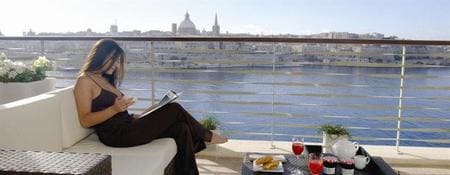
{"type": "Point", "coordinates": [102, 105]}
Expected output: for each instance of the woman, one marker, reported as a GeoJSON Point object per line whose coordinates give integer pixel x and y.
{"type": "Point", "coordinates": [102, 106]}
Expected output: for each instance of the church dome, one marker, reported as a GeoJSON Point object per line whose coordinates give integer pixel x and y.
{"type": "Point", "coordinates": [187, 26]}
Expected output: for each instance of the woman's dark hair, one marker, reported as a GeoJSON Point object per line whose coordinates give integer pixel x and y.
{"type": "Point", "coordinates": [102, 51]}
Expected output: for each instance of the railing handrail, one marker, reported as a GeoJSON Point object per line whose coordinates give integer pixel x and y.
{"type": "Point", "coordinates": [236, 39]}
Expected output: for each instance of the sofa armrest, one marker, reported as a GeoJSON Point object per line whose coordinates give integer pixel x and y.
{"type": "Point", "coordinates": [31, 124]}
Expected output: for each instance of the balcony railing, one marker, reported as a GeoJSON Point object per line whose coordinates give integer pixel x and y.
{"type": "Point", "coordinates": [273, 88]}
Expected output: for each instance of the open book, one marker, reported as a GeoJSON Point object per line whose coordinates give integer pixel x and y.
{"type": "Point", "coordinates": [169, 97]}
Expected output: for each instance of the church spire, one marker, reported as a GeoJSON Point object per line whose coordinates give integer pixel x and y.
{"type": "Point", "coordinates": [215, 21]}
{"type": "Point", "coordinates": [216, 27]}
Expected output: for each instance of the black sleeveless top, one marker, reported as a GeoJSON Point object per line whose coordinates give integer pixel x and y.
{"type": "Point", "coordinates": [115, 125]}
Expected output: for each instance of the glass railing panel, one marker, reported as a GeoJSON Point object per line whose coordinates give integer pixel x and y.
{"type": "Point", "coordinates": [339, 84]}
{"type": "Point", "coordinates": [312, 84]}
{"type": "Point", "coordinates": [425, 119]}
{"type": "Point", "coordinates": [226, 80]}
{"type": "Point", "coordinates": [20, 50]}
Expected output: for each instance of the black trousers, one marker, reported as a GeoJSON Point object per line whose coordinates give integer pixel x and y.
{"type": "Point", "coordinates": [170, 121]}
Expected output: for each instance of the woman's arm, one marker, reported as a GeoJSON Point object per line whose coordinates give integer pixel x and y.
{"type": "Point", "coordinates": [83, 95]}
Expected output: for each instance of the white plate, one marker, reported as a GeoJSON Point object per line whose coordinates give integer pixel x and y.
{"type": "Point", "coordinates": [280, 157]}
{"type": "Point", "coordinates": [259, 168]}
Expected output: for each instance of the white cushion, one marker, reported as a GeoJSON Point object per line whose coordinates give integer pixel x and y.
{"type": "Point", "coordinates": [151, 158]}
{"type": "Point", "coordinates": [31, 124]}
{"type": "Point", "coordinates": [72, 131]}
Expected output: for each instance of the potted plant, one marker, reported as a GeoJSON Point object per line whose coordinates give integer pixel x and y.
{"type": "Point", "coordinates": [18, 80]}
{"type": "Point", "coordinates": [210, 122]}
{"type": "Point", "coordinates": [331, 134]}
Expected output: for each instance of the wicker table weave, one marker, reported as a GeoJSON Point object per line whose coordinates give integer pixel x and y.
{"type": "Point", "coordinates": [291, 164]}
{"type": "Point", "coordinates": [61, 163]}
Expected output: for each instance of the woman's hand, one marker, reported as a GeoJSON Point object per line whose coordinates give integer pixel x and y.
{"type": "Point", "coordinates": [121, 104]}
{"type": "Point", "coordinates": [135, 117]}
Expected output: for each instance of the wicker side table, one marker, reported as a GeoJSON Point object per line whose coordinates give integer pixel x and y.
{"type": "Point", "coordinates": [61, 163]}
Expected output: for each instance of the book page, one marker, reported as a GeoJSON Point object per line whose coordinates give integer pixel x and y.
{"type": "Point", "coordinates": [169, 97]}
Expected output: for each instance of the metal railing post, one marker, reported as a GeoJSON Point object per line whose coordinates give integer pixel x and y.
{"type": "Point", "coordinates": [42, 48]}
{"type": "Point", "coordinates": [400, 99]}
{"type": "Point", "coordinates": [272, 146]}
{"type": "Point", "coordinates": [152, 67]}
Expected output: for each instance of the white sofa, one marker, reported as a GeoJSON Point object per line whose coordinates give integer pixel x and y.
{"type": "Point", "coordinates": [49, 122]}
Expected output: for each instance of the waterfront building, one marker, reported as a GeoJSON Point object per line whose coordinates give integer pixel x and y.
{"type": "Point", "coordinates": [114, 28]}
{"type": "Point", "coordinates": [182, 51]}
{"type": "Point", "coordinates": [174, 28]}
{"type": "Point", "coordinates": [29, 33]}
{"type": "Point", "coordinates": [187, 27]}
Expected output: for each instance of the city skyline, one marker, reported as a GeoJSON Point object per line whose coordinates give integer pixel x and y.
{"type": "Point", "coordinates": [412, 19]}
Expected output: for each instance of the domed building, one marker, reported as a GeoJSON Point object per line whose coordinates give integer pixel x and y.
{"type": "Point", "coordinates": [187, 27]}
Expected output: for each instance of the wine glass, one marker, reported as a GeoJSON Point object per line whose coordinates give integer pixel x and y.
{"type": "Point", "coordinates": [315, 163]}
{"type": "Point", "coordinates": [297, 149]}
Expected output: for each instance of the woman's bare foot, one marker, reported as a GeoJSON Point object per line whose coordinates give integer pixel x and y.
{"type": "Point", "coordinates": [217, 139]}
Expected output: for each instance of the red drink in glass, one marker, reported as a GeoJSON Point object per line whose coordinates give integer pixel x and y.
{"type": "Point", "coordinates": [297, 148]}
{"type": "Point", "coordinates": [315, 163]}
{"type": "Point", "coordinates": [315, 166]}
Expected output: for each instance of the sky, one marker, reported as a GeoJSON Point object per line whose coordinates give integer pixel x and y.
{"type": "Point", "coordinates": [411, 19]}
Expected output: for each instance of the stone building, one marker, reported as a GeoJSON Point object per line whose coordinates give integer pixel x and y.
{"type": "Point", "coordinates": [187, 27]}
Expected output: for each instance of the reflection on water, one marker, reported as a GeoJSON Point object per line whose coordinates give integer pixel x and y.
{"type": "Point", "coordinates": [362, 99]}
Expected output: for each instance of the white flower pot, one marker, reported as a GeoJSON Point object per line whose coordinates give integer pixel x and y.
{"type": "Point", "coordinates": [329, 140]}
{"type": "Point", "coordinates": [14, 91]}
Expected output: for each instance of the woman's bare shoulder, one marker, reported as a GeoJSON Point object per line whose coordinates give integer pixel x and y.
{"type": "Point", "coordinates": [84, 80]}
{"type": "Point", "coordinates": [83, 86]}
{"type": "Point", "coordinates": [84, 77]}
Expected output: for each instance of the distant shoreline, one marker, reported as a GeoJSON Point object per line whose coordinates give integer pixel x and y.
{"type": "Point", "coordinates": [365, 65]}
{"type": "Point", "coordinates": [380, 65]}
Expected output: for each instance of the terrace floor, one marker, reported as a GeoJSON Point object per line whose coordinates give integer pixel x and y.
{"type": "Point", "coordinates": [227, 158]}
{"type": "Point", "coordinates": [209, 165]}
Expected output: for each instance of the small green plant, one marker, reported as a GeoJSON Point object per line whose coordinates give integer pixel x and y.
{"type": "Point", "coordinates": [329, 129]}
{"type": "Point", "coordinates": [210, 122]}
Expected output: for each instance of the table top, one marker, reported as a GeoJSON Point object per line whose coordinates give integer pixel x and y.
{"type": "Point", "coordinates": [291, 163]}
{"type": "Point", "coordinates": [54, 162]}
{"type": "Point", "coordinates": [377, 166]}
